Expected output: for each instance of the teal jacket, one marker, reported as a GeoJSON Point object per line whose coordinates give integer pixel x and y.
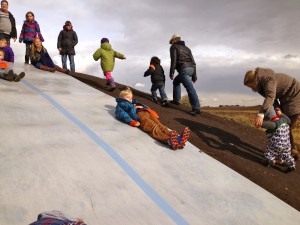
{"type": "Point", "coordinates": [107, 55]}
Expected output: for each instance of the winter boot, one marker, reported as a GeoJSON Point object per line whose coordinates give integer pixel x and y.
{"type": "Point", "coordinates": [19, 77]}
{"type": "Point", "coordinates": [9, 76]}
{"type": "Point", "coordinates": [42, 67]}
{"type": "Point", "coordinates": [183, 137]}
{"type": "Point", "coordinates": [111, 82]}
{"type": "Point", "coordinates": [172, 141]}
{"type": "Point", "coordinates": [59, 69]}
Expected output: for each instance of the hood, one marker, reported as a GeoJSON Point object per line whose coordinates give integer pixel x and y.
{"type": "Point", "coordinates": [106, 46]}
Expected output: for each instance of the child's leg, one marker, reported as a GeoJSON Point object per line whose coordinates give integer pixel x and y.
{"type": "Point", "coordinates": [153, 92]}
{"type": "Point", "coordinates": [286, 157]}
{"type": "Point", "coordinates": [6, 75]}
{"type": "Point", "coordinates": [110, 80]}
{"type": "Point", "coordinates": [27, 52]}
{"type": "Point", "coordinates": [270, 155]}
{"type": "Point", "coordinates": [151, 127]}
{"type": "Point", "coordinates": [162, 92]}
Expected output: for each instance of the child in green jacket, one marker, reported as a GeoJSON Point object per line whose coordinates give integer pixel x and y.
{"type": "Point", "coordinates": [107, 56]}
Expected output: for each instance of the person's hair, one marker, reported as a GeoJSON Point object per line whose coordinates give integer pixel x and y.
{"type": "Point", "coordinates": [68, 22]}
{"type": "Point", "coordinates": [125, 92]}
{"type": "Point", "coordinates": [4, 1]}
{"type": "Point", "coordinates": [29, 13]}
{"type": "Point", "coordinates": [4, 40]}
{"type": "Point", "coordinates": [155, 60]}
{"type": "Point", "coordinates": [33, 49]}
{"type": "Point", "coordinates": [250, 78]}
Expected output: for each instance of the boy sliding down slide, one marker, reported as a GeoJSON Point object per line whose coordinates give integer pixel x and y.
{"type": "Point", "coordinates": [130, 111]}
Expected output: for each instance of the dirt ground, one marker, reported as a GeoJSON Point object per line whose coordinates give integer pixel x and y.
{"type": "Point", "coordinates": [237, 146]}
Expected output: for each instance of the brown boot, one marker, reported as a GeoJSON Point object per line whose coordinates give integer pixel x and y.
{"type": "Point", "coordinates": [59, 69]}
{"type": "Point", "coordinates": [42, 67]}
{"type": "Point", "coordinates": [9, 76]}
{"type": "Point", "coordinates": [19, 77]}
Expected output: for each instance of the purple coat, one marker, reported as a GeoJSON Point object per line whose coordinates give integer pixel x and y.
{"type": "Point", "coordinates": [29, 31]}
{"type": "Point", "coordinates": [9, 55]}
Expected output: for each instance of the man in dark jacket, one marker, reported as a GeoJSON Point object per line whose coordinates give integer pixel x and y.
{"type": "Point", "coordinates": [66, 41]}
{"type": "Point", "coordinates": [7, 23]}
{"type": "Point", "coordinates": [183, 61]}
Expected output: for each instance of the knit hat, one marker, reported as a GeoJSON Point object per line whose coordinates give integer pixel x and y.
{"type": "Point", "coordinates": [173, 37]}
{"type": "Point", "coordinates": [104, 40]}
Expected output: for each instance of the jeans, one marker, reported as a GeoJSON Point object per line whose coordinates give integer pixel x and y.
{"type": "Point", "coordinates": [64, 62]}
{"type": "Point", "coordinates": [185, 77]}
{"type": "Point", "coordinates": [161, 88]}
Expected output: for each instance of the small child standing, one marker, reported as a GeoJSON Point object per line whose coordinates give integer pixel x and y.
{"type": "Point", "coordinates": [8, 74]}
{"type": "Point", "coordinates": [132, 112]}
{"type": "Point", "coordinates": [9, 55]}
{"type": "Point", "coordinates": [278, 134]}
{"type": "Point", "coordinates": [30, 30]}
{"type": "Point", "coordinates": [158, 80]}
{"type": "Point", "coordinates": [107, 56]}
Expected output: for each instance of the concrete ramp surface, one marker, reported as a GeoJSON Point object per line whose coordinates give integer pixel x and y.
{"type": "Point", "coordinates": [61, 148]}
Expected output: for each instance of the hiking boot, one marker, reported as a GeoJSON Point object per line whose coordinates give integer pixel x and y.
{"type": "Point", "coordinates": [165, 103]}
{"type": "Point", "coordinates": [194, 112]}
{"type": "Point", "coordinates": [175, 102]}
{"type": "Point", "coordinates": [154, 100]}
{"type": "Point", "coordinates": [19, 77]}
{"type": "Point", "coordinates": [183, 137]}
{"type": "Point", "coordinates": [172, 141]}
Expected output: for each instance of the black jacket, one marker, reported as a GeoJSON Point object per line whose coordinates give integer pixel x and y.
{"type": "Point", "coordinates": [67, 39]}
{"type": "Point", "coordinates": [157, 74]}
{"type": "Point", "coordinates": [181, 57]}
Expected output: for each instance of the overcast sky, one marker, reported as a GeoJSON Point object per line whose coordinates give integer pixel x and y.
{"type": "Point", "coordinates": [227, 38]}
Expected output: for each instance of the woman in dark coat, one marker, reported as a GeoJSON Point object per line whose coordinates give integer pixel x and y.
{"type": "Point", "coordinates": [66, 41]}
{"type": "Point", "coordinates": [273, 87]}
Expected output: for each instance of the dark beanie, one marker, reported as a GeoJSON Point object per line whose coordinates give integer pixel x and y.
{"type": "Point", "coordinates": [104, 40]}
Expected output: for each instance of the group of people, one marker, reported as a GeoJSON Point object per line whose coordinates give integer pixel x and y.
{"type": "Point", "coordinates": [32, 37]}
{"type": "Point", "coordinates": [280, 91]}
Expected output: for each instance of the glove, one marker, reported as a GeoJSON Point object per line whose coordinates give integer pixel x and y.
{"type": "Point", "coordinates": [134, 123]}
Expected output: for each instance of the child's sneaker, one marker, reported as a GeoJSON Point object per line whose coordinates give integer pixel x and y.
{"type": "Point", "coordinates": [172, 142]}
{"type": "Point", "coordinates": [290, 169]}
{"type": "Point", "coordinates": [19, 77]}
{"type": "Point", "coordinates": [271, 163]}
{"type": "Point", "coordinates": [183, 137]}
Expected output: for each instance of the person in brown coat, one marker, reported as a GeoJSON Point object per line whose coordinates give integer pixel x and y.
{"type": "Point", "coordinates": [276, 87]}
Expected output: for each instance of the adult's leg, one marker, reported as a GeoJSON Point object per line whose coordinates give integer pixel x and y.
{"type": "Point", "coordinates": [64, 61]}
{"type": "Point", "coordinates": [72, 63]}
{"type": "Point", "coordinates": [177, 89]}
{"type": "Point", "coordinates": [186, 80]}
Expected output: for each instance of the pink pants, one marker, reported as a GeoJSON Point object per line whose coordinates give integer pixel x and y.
{"type": "Point", "coordinates": [107, 75]}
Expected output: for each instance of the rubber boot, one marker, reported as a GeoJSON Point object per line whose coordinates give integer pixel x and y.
{"type": "Point", "coordinates": [19, 77]}
{"type": "Point", "coordinates": [111, 82]}
{"type": "Point", "coordinates": [9, 76]}
{"type": "Point", "coordinates": [59, 69]}
{"type": "Point", "coordinates": [42, 67]}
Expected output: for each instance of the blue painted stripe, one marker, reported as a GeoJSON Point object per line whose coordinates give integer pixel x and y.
{"type": "Point", "coordinates": [146, 188]}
